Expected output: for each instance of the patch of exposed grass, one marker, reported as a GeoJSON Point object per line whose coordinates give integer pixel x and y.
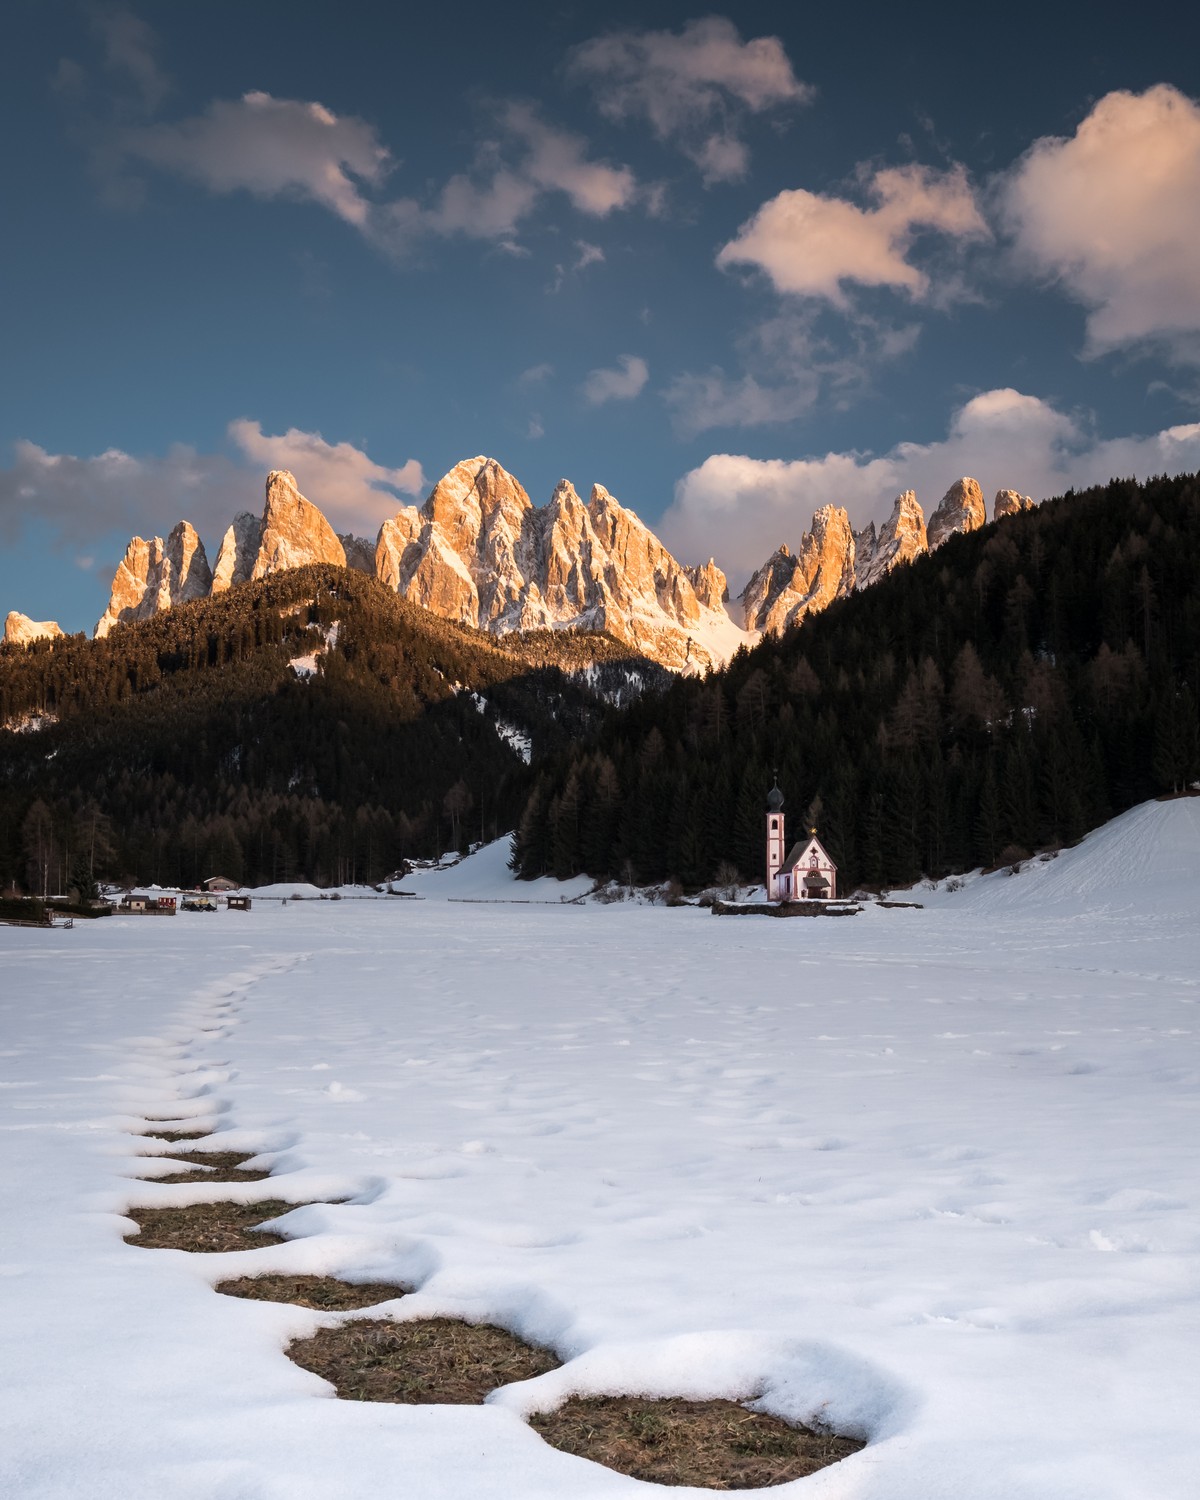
{"type": "Point", "coordinates": [436, 1361]}
{"type": "Point", "coordinates": [716, 1445]}
{"type": "Point", "coordinates": [223, 1161]}
{"type": "Point", "coordinates": [207, 1226]}
{"type": "Point", "coordinates": [324, 1293]}
{"type": "Point", "coordinates": [177, 1135]}
{"type": "Point", "coordinates": [218, 1174]}
{"type": "Point", "coordinates": [226, 1166]}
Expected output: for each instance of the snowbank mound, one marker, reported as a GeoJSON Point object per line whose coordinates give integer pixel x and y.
{"type": "Point", "coordinates": [485, 876]}
{"type": "Point", "coordinates": [1148, 859]}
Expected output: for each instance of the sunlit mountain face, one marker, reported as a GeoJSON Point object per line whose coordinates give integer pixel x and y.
{"type": "Point", "coordinates": [734, 268]}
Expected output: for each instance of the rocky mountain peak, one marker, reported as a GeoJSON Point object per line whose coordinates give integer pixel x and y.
{"type": "Point", "coordinates": [238, 552]}
{"type": "Point", "coordinates": [709, 584]}
{"type": "Point", "coordinates": [156, 575]}
{"type": "Point", "coordinates": [1009, 503]}
{"type": "Point", "coordinates": [901, 538]}
{"type": "Point", "coordinates": [20, 630]}
{"type": "Point", "coordinates": [786, 588]}
{"type": "Point", "coordinates": [294, 532]}
{"type": "Point", "coordinates": [962, 509]}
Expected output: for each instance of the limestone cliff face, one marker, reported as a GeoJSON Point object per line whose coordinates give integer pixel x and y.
{"type": "Point", "coordinates": [20, 630]}
{"type": "Point", "coordinates": [709, 583]}
{"type": "Point", "coordinates": [962, 509]}
{"type": "Point", "coordinates": [155, 575]}
{"type": "Point", "coordinates": [901, 538]}
{"type": "Point", "coordinates": [1009, 503]}
{"type": "Point", "coordinates": [786, 588]}
{"type": "Point", "coordinates": [294, 532]}
{"type": "Point", "coordinates": [480, 552]}
{"type": "Point", "coordinates": [238, 553]}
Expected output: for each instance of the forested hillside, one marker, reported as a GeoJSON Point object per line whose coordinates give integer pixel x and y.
{"type": "Point", "coordinates": [1007, 693]}
{"type": "Point", "coordinates": [187, 745]}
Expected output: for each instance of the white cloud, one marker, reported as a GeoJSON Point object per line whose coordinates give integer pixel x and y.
{"type": "Point", "coordinates": [535, 374]}
{"type": "Point", "coordinates": [810, 244]}
{"type": "Point", "coordinates": [620, 384]}
{"type": "Point", "coordinates": [739, 509]}
{"type": "Point", "coordinates": [349, 487]}
{"type": "Point", "coordinates": [1113, 214]}
{"type": "Point", "coordinates": [82, 499]}
{"type": "Point", "coordinates": [693, 86]}
{"type": "Point", "coordinates": [272, 148]}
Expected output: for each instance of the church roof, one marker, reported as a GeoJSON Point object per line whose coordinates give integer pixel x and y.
{"type": "Point", "coordinates": [797, 852]}
{"type": "Point", "coordinates": [774, 799]}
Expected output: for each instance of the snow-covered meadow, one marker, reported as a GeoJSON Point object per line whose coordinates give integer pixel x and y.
{"type": "Point", "coordinates": [929, 1174]}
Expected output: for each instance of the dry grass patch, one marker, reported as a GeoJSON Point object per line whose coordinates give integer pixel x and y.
{"type": "Point", "coordinates": [436, 1361]}
{"type": "Point", "coordinates": [226, 1166]}
{"type": "Point", "coordinates": [177, 1135]}
{"type": "Point", "coordinates": [716, 1445]}
{"type": "Point", "coordinates": [208, 1227]}
{"type": "Point", "coordinates": [324, 1293]}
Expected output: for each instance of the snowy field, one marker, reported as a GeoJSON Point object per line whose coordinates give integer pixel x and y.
{"type": "Point", "coordinates": [929, 1174]}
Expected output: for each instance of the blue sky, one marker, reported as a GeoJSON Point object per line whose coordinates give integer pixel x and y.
{"type": "Point", "coordinates": [733, 265]}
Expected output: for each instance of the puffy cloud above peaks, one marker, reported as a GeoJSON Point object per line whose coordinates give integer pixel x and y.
{"type": "Point", "coordinates": [739, 509]}
{"type": "Point", "coordinates": [810, 244]}
{"type": "Point", "coordinates": [343, 480]}
{"type": "Point", "coordinates": [693, 86]}
{"type": "Point", "coordinates": [1112, 214]}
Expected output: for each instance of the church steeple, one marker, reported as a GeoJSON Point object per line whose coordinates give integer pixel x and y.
{"type": "Point", "coordinates": [776, 838]}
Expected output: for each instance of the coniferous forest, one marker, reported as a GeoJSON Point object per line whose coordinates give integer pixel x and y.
{"type": "Point", "coordinates": [1005, 694]}
{"type": "Point", "coordinates": [186, 745]}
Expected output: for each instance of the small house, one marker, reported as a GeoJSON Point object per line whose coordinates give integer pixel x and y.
{"type": "Point", "coordinates": [238, 903]}
{"type": "Point", "coordinates": [221, 883]}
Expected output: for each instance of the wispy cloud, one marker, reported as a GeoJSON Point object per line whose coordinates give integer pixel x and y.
{"type": "Point", "coordinates": [790, 362]}
{"type": "Point", "coordinates": [84, 498]}
{"type": "Point", "coordinates": [272, 148]}
{"type": "Point", "coordinates": [620, 383]}
{"type": "Point", "coordinates": [694, 86]}
{"type": "Point", "coordinates": [130, 51]}
{"type": "Point", "coordinates": [303, 150]}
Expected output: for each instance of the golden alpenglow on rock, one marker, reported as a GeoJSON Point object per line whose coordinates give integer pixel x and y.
{"type": "Point", "coordinates": [1009, 503]}
{"type": "Point", "coordinates": [787, 588]}
{"type": "Point", "coordinates": [294, 532]}
{"type": "Point", "coordinates": [20, 630]}
{"type": "Point", "coordinates": [154, 575]}
{"type": "Point", "coordinates": [962, 509]}
{"type": "Point", "coordinates": [480, 552]}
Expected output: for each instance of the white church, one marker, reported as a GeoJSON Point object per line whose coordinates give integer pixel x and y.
{"type": "Point", "coordinates": [806, 872]}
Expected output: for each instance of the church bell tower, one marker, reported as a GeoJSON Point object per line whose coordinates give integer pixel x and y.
{"type": "Point", "coordinates": [776, 845]}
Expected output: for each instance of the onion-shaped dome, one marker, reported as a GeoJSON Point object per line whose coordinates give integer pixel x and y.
{"type": "Point", "coordinates": [774, 799]}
